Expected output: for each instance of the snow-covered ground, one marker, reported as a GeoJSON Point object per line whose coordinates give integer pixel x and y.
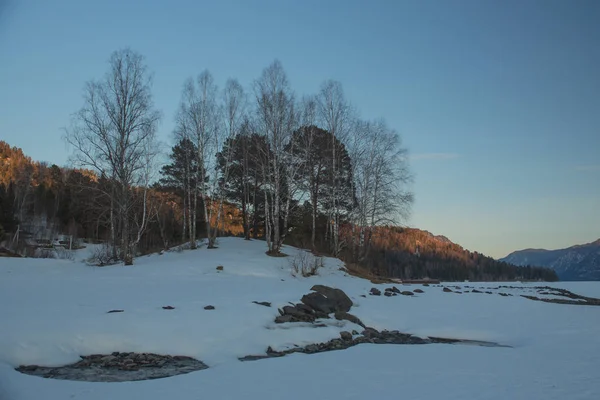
{"type": "Point", "coordinates": [52, 311]}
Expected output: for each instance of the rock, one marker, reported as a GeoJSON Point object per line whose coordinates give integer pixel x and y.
{"type": "Point", "coordinates": [489, 293]}
{"type": "Point", "coordinates": [282, 319]}
{"type": "Point", "coordinates": [370, 332]}
{"type": "Point", "coordinates": [108, 358]}
{"type": "Point", "coordinates": [418, 291]}
{"type": "Point", "coordinates": [114, 311]}
{"type": "Point", "coordinates": [362, 295]}
{"type": "Point", "coordinates": [395, 289]}
{"type": "Point", "coordinates": [426, 284]}
{"type": "Point", "coordinates": [407, 293]}
{"type": "Point", "coordinates": [346, 335]}
{"type": "Point", "coordinates": [475, 291]}
{"type": "Point", "coordinates": [388, 294]}
{"type": "Point", "coordinates": [305, 308]}
{"type": "Point", "coordinates": [447, 290]}
{"type": "Point", "coordinates": [504, 294]}
{"type": "Point", "coordinates": [291, 310]}
{"type": "Point", "coordinates": [220, 268]}
{"type": "Point", "coordinates": [319, 302]}
{"type": "Point", "coordinates": [341, 299]}
{"type": "Point", "coordinates": [296, 314]}
{"type": "Point", "coordinates": [168, 308]}
{"type": "Point", "coordinates": [262, 303]}
{"type": "Point", "coordinates": [354, 333]}
{"type": "Point", "coordinates": [209, 307]}
{"type": "Point", "coordinates": [340, 315]}
{"type": "Point", "coordinates": [375, 292]}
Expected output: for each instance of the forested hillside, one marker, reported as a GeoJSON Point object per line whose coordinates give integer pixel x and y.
{"type": "Point", "coordinates": [408, 253]}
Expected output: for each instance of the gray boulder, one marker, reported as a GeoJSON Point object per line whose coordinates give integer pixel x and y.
{"type": "Point", "coordinates": [341, 299]}
{"type": "Point", "coordinates": [327, 300]}
{"type": "Point", "coordinates": [340, 315]}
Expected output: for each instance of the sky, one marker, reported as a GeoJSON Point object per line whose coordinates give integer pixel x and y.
{"type": "Point", "coordinates": [498, 102]}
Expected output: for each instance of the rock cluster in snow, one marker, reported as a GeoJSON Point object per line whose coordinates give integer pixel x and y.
{"type": "Point", "coordinates": [369, 335]}
{"type": "Point", "coordinates": [320, 303]}
{"type": "Point", "coordinates": [119, 367]}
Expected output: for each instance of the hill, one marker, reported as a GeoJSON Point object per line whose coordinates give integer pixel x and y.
{"type": "Point", "coordinates": [575, 263]}
{"type": "Point", "coordinates": [409, 253]}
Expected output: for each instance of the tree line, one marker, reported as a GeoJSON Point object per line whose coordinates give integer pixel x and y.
{"type": "Point", "coordinates": [258, 162]}
{"type": "Point", "coordinates": [263, 150]}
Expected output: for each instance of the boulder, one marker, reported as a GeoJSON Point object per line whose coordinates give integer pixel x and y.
{"type": "Point", "coordinates": [319, 302]}
{"type": "Point", "coordinates": [395, 289]}
{"type": "Point", "coordinates": [346, 336]}
{"type": "Point", "coordinates": [341, 299]}
{"type": "Point", "coordinates": [375, 292]}
{"type": "Point", "coordinates": [291, 310]}
{"type": "Point", "coordinates": [407, 293]}
{"type": "Point", "coordinates": [281, 319]}
{"type": "Point", "coordinates": [305, 308]}
{"type": "Point", "coordinates": [388, 294]}
{"type": "Point", "coordinates": [220, 268]}
{"type": "Point", "coordinates": [340, 315]}
{"type": "Point", "coordinates": [327, 300]}
{"type": "Point", "coordinates": [370, 332]}
{"type": "Point", "coordinates": [209, 307]}
{"type": "Point", "coordinates": [447, 290]}
{"type": "Point", "coordinates": [168, 308]}
{"type": "Point", "coordinates": [476, 291]}
{"type": "Point", "coordinates": [418, 291]}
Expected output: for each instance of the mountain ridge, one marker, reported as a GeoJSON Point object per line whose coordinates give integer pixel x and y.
{"type": "Point", "coordinates": [580, 262]}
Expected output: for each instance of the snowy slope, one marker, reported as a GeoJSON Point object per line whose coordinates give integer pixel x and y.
{"type": "Point", "coordinates": [53, 311]}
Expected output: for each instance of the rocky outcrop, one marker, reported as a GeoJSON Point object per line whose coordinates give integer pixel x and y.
{"type": "Point", "coordinates": [322, 302]}
{"type": "Point", "coordinates": [375, 292]}
{"type": "Point", "coordinates": [369, 335]}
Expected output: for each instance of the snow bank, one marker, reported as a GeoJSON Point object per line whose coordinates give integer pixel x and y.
{"type": "Point", "coordinates": [52, 311]}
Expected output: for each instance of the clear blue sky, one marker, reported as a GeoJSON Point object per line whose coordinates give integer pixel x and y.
{"type": "Point", "coordinates": [497, 101]}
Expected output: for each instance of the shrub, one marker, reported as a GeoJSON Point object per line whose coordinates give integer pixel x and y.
{"type": "Point", "coordinates": [306, 264]}
{"type": "Point", "coordinates": [102, 256]}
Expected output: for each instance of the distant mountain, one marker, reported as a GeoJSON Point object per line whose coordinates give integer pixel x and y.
{"type": "Point", "coordinates": [576, 263]}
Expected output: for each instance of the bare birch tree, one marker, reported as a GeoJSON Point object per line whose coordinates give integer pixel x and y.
{"type": "Point", "coordinates": [114, 134]}
{"type": "Point", "coordinates": [275, 116]}
{"type": "Point", "coordinates": [335, 115]}
{"type": "Point", "coordinates": [198, 119]}
{"type": "Point", "coordinates": [382, 179]}
{"type": "Point", "coordinates": [234, 111]}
